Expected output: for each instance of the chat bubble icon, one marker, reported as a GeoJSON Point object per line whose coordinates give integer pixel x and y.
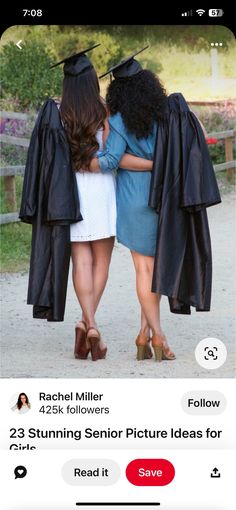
{"type": "Point", "coordinates": [20, 472]}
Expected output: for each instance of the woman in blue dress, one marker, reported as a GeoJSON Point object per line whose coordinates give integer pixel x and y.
{"type": "Point", "coordinates": [136, 101]}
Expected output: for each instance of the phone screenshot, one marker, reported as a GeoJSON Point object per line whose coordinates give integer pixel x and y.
{"type": "Point", "coordinates": [118, 267]}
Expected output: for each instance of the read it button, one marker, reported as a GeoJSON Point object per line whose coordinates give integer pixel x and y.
{"type": "Point", "coordinates": [150, 472]}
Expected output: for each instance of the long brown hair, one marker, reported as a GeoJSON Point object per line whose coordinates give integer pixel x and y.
{"type": "Point", "coordinates": [83, 113]}
{"type": "Point", "coordinates": [19, 401]}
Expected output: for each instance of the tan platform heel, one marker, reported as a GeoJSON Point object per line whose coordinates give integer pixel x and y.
{"type": "Point", "coordinates": [160, 350]}
{"type": "Point", "coordinates": [141, 349]}
{"type": "Point", "coordinates": [93, 342]}
{"type": "Point", "coordinates": [144, 350]}
{"type": "Point", "coordinates": [158, 353]}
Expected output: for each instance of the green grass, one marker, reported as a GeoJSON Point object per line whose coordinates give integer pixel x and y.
{"type": "Point", "coordinates": [15, 247]}
{"type": "Point", "coordinates": [4, 208]}
{"type": "Point", "coordinates": [15, 237]}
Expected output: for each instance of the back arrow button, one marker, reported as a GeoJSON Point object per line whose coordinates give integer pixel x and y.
{"type": "Point", "coordinates": [18, 44]}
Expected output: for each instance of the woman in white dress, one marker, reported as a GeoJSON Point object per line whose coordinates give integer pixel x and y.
{"type": "Point", "coordinates": [84, 116]}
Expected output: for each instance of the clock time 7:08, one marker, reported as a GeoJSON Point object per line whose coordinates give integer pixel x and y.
{"type": "Point", "coordinates": [32, 12]}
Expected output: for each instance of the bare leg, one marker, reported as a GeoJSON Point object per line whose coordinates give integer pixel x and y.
{"type": "Point", "coordinates": [149, 301]}
{"type": "Point", "coordinates": [91, 262]}
{"type": "Point", "coordinates": [144, 323]}
{"type": "Point", "coordinates": [101, 252]}
{"type": "Point", "coordinates": [83, 279]}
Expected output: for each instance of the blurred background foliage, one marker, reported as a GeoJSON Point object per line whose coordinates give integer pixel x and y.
{"type": "Point", "coordinates": [25, 75]}
{"type": "Point", "coordinates": [179, 54]}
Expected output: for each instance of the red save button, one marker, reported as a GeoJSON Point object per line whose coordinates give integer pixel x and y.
{"type": "Point", "coordinates": [150, 472]}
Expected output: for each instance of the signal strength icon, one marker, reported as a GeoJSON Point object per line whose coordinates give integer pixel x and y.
{"type": "Point", "coordinates": [187, 13]}
{"type": "Point", "coordinates": [200, 12]}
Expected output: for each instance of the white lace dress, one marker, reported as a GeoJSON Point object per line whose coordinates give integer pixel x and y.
{"type": "Point", "coordinates": [97, 196]}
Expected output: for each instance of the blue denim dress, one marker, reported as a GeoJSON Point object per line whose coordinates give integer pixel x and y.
{"type": "Point", "coordinates": [137, 223]}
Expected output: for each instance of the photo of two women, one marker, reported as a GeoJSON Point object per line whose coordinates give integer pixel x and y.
{"type": "Point", "coordinates": [118, 200]}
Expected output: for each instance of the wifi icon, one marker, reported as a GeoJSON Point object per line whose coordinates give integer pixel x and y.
{"type": "Point", "coordinates": [200, 12]}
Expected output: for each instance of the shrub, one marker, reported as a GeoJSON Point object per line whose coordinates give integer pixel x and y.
{"type": "Point", "coordinates": [217, 118]}
{"type": "Point", "coordinates": [25, 74]}
{"type": "Point", "coordinates": [15, 154]}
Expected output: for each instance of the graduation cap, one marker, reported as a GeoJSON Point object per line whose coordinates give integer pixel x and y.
{"type": "Point", "coordinates": [77, 63]}
{"type": "Point", "coordinates": [126, 67]}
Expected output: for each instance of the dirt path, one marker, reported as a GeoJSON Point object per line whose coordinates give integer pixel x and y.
{"type": "Point", "coordinates": [34, 348]}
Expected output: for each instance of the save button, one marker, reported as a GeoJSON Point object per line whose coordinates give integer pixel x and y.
{"type": "Point", "coordinates": [150, 472]}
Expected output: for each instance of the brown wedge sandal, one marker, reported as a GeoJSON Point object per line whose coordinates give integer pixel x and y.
{"type": "Point", "coordinates": [161, 350]}
{"type": "Point", "coordinates": [81, 349]}
{"type": "Point", "coordinates": [93, 341]}
{"type": "Point", "coordinates": [144, 350]}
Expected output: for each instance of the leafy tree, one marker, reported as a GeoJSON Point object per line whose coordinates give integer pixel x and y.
{"type": "Point", "coordinates": [74, 40]}
{"type": "Point", "coordinates": [26, 75]}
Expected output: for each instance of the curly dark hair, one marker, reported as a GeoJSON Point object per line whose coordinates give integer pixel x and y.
{"type": "Point", "coordinates": [83, 113]}
{"type": "Point", "coordinates": [141, 100]}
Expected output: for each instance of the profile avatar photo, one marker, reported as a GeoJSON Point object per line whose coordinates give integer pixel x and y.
{"type": "Point", "coordinates": [22, 405]}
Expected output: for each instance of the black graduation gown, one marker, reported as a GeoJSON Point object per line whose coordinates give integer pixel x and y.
{"type": "Point", "coordinates": [183, 185]}
{"type": "Point", "coordinates": [50, 203]}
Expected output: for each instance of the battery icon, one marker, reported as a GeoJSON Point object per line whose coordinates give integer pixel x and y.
{"type": "Point", "coordinates": [216, 13]}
